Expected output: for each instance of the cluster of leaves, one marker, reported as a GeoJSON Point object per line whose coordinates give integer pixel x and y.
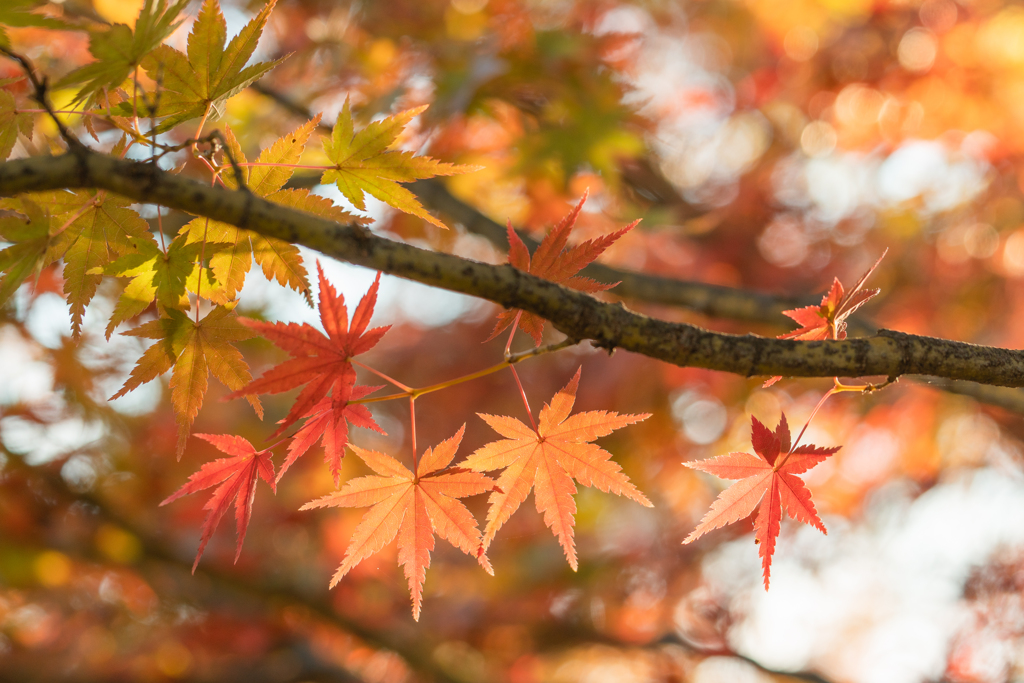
{"type": "Point", "coordinates": [97, 235]}
{"type": "Point", "coordinates": [666, 122]}
{"type": "Point", "coordinates": [414, 504]}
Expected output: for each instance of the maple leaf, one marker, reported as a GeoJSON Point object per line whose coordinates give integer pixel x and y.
{"type": "Point", "coordinates": [328, 420]}
{"type": "Point", "coordinates": [12, 123]}
{"type": "Point", "coordinates": [194, 350]}
{"type": "Point", "coordinates": [318, 360]}
{"type": "Point", "coordinates": [767, 478]}
{"type": "Point", "coordinates": [193, 84]}
{"type": "Point", "coordinates": [412, 507]}
{"type": "Point", "coordinates": [31, 248]}
{"type": "Point", "coordinates": [233, 249]}
{"type": "Point", "coordinates": [88, 230]}
{"type": "Point", "coordinates": [120, 49]}
{"type": "Point", "coordinates": [165, 278]}
{"type": "Point", "coordinates": [828, 319]}
{"type": "Point", "coordinates": [364, 163]}
{"type": "Point", "coordinates": [106, 231]}
{"type": "Point", "coordinates": [555, 261]}
{"type": "Point", "coordinates": [235, 479]}
{"type": "Point", "coordinates": [548, 460]}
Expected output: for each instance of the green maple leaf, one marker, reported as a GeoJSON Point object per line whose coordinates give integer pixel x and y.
{"type": "Point", "coordinates": [19, 13]}
{"type": "Point", "coordinates": [364, 163]}
{"type": "Point", "coordinates": [31, 248]}
{"type": "Point", "coordinates": [165, 278]}
{"type": "Point", "coordinates": [120, 49]}
{"type": "Point", "coordinates": [193, 350]}
{"type": "Point", "coordinates": [191, 85]}
{"type": "Point", "coordinates": [106, 231]}
{"type": "Point", "coordinates": [89, 230]}
{"type": "Point", "coordinates": [11, 123]}
{"type": "Point", "coordinates": [233, 248]}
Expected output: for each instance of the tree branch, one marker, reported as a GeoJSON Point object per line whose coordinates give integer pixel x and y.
{"type": "Point", "coordinates": [580, 316]}
{"type": "Point", "coordinates": [715, 301]}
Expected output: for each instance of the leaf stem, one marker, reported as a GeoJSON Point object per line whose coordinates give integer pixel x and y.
{"type": "Point", "coordinates": [202, 123]}
{"type": "Point", "coordinates": [277, 443]}
{"type": "Point", "coordinates": [160, 229]}
{"type": "Point", "coordinates": [515, 324]}
{"type": "Point", "coordinates": [152, 159]}
{"type": "Point", "coordinates": [78, 214]}
{"type": "Point", "coordinates": [412, 433]}
{"type": "Point", "coordinates": [417, 392]}
{"type": "Point", "coordinates": [202, 259]}
{"type": "Point", "coordinates": [135, 101]}
{"type": "Point", "coordinates": [380, 374]}
{"type": "Point", "coordinates": [214, 170]}
{"type": "Point", "coordinates": [526, 402]}
{"type": "Point", "coordinates": [514, 358]}
{"type": "Point", "coordinates": [864, 388]}
{"type": "Point", "coordinates": [61, 111]}
{"type": "Point", "coordinates": [306, 166]}
{"type": "Point", "coordinates": [807, 424]}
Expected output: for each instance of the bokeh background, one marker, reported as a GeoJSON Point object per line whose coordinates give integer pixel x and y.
{"type": "Point", "coordinates": [767, 146]}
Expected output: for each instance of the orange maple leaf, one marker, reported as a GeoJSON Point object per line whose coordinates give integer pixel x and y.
{"type": "Point", "coordinates": [555, 261]}
{"type": "Point", "coordinates": [235, 479]}
{"type": "Point", "coordinates": [548, 460]}
{"type": "Point", "coordinates": [328, 421]}
{"type": "Point", "coordinates": [768, 478]}
{"type": "Point", "coordinates": [828, 319]}
{"type": "Point", "coordinates": [319, 361]}
{"type": "Point", "coordinates": [412, 507]}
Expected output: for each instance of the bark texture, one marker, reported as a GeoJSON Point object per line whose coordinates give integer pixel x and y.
{"type": "Point", "coordinates": [580, 316]}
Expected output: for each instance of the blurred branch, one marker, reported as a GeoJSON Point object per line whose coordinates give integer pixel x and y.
{"type": "Point", "coordinates": [310, 672]}
{"type": "Point", "coordinates": [715, 301]}
{"type": "Point", "coordinates": [807, 676]}
{"type": "Point", "coordinates": [568, 635]}
{"type": "Point", "coordinates": [264, 591]}
{"type": "Point", "coordinates": [579, 316]}
{"type": "Point", "coordinates": [1007, 398]}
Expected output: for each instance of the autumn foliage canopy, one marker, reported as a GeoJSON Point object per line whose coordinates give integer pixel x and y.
{"type": "Point", "coordinates": [389, 230]}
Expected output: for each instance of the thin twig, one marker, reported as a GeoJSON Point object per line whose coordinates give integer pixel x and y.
{"type": "Point", "coordinates": [39, 90]}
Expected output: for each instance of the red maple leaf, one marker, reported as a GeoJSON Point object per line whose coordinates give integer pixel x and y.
{"type": "Point", "coordinates": [828, 319]}
{"type": "Point", "coordinates": [412, 507]}
{"type": "Point", "coordinates": [548, 460]}
{"type": "Point", "coordinates": [235, 479]}
{"type": "Point", "coordinates": [555, 261]}
{"type": "Point", "coordinates": [319, 361]}
{"type": "Point", "coordinates": [768, 478]}
{"type": "Point", "coordinates": [328, 421]}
